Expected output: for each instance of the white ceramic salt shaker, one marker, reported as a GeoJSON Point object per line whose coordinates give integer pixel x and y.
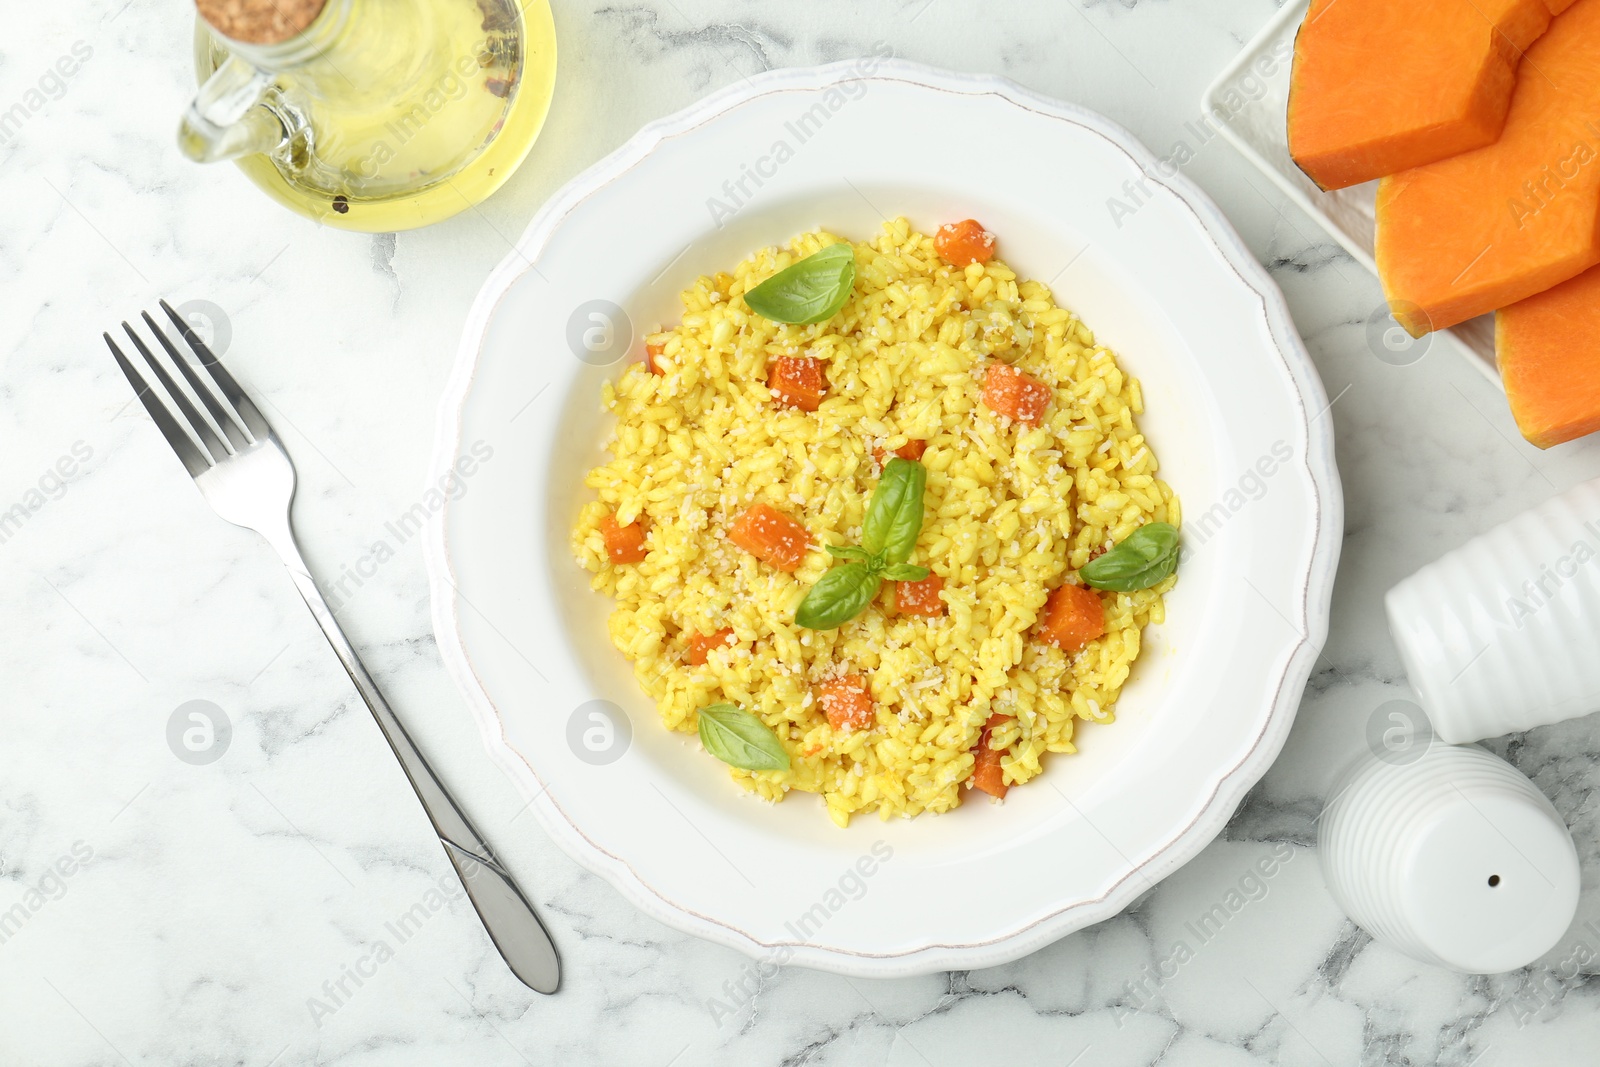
{"type": "Point", "coordinates": [1503, 633]}
{"type": "Point", "coordinates": [1452, 856]}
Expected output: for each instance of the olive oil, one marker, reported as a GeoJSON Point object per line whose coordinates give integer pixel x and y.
{"type": "Point", "coordinates": [380, 114]}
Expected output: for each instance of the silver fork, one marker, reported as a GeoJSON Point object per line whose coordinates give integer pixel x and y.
{"type": "Point", "coordinates": [242, 470]}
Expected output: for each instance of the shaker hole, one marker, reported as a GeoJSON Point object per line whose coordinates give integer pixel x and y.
{"type": "Point", "coordinates": [1494, 880]}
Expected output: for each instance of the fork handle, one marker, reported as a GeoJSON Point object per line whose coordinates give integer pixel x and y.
{"type": "Point", "coordinates": [502, 906]}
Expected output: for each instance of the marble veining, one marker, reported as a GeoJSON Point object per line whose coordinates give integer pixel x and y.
{"type": "Point", "coordinates": [249, 910]}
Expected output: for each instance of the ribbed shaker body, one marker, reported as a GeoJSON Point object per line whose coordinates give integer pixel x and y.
{"type": "Point", "coordinates": [1503, 633]}
{"type": "Point", "coordinates": [1454, 858]}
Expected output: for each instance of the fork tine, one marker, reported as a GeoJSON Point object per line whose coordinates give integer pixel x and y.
{"type": "Point", "coordinates": [197, 423]}
{"type": "Point", "coordinates": [240, 400]}
{"type": "Point", "coordinates": [193, 459]}
{"type": "Point", "coordinates": [238, 436]}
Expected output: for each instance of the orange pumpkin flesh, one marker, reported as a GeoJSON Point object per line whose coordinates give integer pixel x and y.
{"type": "Point", "coordinates": [920, 597]}
{"type": "Point", "coordinates": [771, 536]}
{"type": "Point", "coordinates": [847, 702]}
{"type": "Point", "coordinates": [1010, 392]}
{"type": "Point", "coordinates": [702, 645]}
{"type": "Point", "coordinates": [987, 772]}
{"type": "Point", "coordinates": [1548, 349]}
{"type": "Point", "coordinates": [1487, 228]}
{"type": "Point", "coordinates": [797, 381]}
{"type": "Point", "coordinates": [1073, 616]}
{"type": "Point", "coordinates": [624, 544]}
{"type": "Point", "coordinates": [1441, 87]}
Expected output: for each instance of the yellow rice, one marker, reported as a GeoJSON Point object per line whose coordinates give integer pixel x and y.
{"type": "Point", "coordinates": [1011, 512]}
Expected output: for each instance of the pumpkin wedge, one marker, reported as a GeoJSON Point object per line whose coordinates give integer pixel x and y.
{"type": "Point", "coordinates": [1379, 86]}
{"type": "Point", "coordinates": [1548, 349]}
{"type": "Point", "coordinates": [1487, 228]}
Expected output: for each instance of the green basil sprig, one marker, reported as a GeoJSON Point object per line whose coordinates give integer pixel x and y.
{"type": "Point", "coordinates": [839, 596]}
{"type": "Point", "coordinates": [739, 739]}
{"type": "Point", "coordinates": [1142, 559]}
{"type": "Point", "coordinates": [889, 533]}
{"type": "Point", "coordinates": [894, 518]}
{"type": "Point", "coordinates": [812, 290]}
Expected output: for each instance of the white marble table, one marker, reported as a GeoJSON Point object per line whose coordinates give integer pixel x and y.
{"type": "Point", "coordinates": [215, 913]}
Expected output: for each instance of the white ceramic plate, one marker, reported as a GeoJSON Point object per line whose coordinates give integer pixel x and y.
{"type": "Point", "coordinates": [1249, 103]}
{"type": "Point", "coordinates": [1234, 408]}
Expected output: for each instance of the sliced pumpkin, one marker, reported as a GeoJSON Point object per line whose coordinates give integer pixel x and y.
{"type": "Point", "coordinates": [912, 450]}
{"type": "Point", "coordinates": [624, 544]}
{"type": "Point", "coordinates": [701, 645]}
{"type": "Point", "coordinates": [771, 536]}
{"type": "Point", "coordinates": [652, 358]}
{"type": "Point", "coordinates": [1548, 349]}
{"type": "Point", "coordinates": [1379, 87]}
{"type": "Point", "coordinates": [1488, 228]}
{"type": "Point", "coordinates": [797, 381]}
{"type": "Point", "coordinates": [963, 243]}
{"type": "Point", "coordinates": [847, 702]}
{"type": "Point", "coordinates": [987, 773]}
{"type": "Point", "coordinates": [1012, 393]}
{"type": "Point", "coordinates": [920, 597]}
{"type": "Point", "coordinates": [1073, 616]}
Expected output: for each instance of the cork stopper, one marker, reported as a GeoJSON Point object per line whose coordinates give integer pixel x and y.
{"type": "Point", "coordinates": [259, 21]}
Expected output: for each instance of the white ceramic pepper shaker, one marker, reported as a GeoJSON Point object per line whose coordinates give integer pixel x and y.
{"type": "Point", "coordinates": [1451, 856]}
{"type": "Point", "coordinates": [1503, 633]}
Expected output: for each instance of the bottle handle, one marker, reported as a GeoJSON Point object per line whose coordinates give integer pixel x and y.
{"type": "Point", "coordinates": [228, 118]}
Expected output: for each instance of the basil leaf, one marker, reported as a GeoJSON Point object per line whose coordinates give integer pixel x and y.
{"type": "Point", "coordinates": [1140, 560]}
{"type": "Point", "coordinates": [739, 739]}
{"type": "Point", "coordinates": [849, 552]}
{"type": "Point", "coordinates": [905, 572]}
{"type": "Point", "coordinates": [894, 516]}
{"type": "Point", "coordinates": [812, 290]}
{"type": "Point", "coordinates": [839, 596]}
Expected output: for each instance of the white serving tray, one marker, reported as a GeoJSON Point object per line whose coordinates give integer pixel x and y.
{"type": "Point", "coordinates": [1249, 102]}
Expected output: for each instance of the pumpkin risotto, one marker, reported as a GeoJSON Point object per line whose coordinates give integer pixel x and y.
{"type": "Point", "coordinates": [761, 468]}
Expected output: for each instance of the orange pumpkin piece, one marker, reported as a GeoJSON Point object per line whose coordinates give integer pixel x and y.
{"type": "Point", "coordinates": [624, 544]}
{"type": "Point", "coordinates": [1010, 392]}
{"type": "Point", "coordinates": [1443, 86]}
{"type": "Point", "coordinates": [919, 598]}
{"type": "Point", "coordinates": [912, 450]}
{"type": "Point", "coordinates": [1476, 232]}
{"type": "Point", "coordinates": [1073, 616]}
{"type": "Point", "coordinates": [771, 536]}
{"type": "Point", "coordinates": [798, 381]}
{"type": "Point", "coordinates": [1546, 348]}
{"type": "Point", "coordinates": [847, 703]}
{"type": "Point", "coordinates": [964, 242]}
{"type": "Point", "coordinates": [987, 774]}
{"type": "Point", "coordinates": [700, 645]}
{"type": "Point", "coordinates": [651, 351]}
